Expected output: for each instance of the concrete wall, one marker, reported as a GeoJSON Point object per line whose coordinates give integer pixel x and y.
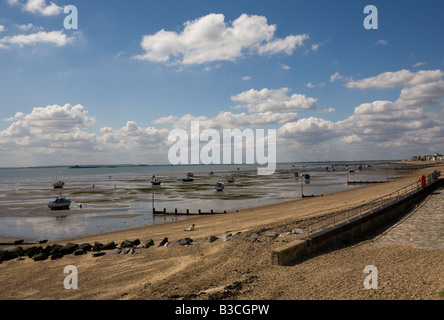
{"type": "Point", "coordinates": [348, 232]}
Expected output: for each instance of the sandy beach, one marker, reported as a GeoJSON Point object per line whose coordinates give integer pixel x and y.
{"type": "Point", "coordinates": [240, 268]}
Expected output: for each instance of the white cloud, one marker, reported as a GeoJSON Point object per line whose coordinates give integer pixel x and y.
{"type": "Point", "coordinates": [398, 78]}
{"type": "Point", "coordinates": [285, 67]}
{"type": "Point", "coordinates": [310, 85]}
{"type": "Point", "coordinates": [246, 78]}
{"type": "Point", "coordinates": [382, 42]}
{"type": "Point", "coordinates": [2, 28]}
{"type": "Point", "coordinates": [273, 100]}
{"type": "Point", "coordinates": [38, 6]}
{"type": "Point", "coordinates": [57, 38]}
{"type": "Point", "coordinates": [327, 110]}
{"type": "Point", "coordinates": [338, 77]}
{"type": "Point", "coordinates": [210, 38]}
{"type": "Point", "coordinates": [418, 64]}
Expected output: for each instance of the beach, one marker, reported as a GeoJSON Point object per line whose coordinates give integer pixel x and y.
{"type": "Point", "coordinates": [240, 268]}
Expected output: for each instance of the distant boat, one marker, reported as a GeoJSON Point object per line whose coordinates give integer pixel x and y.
{"type": "Point", "coordinates": [220, 186]}
{"type": "Point", "coordinates": [60, 203]}
{"type": "Point", "coordinates": [230, 179]}
{"type": "Point", "coordinates": [59, 185]}
{"type": "Point", "coordinates": [307, 177]}
{"type": "Point", "coordinates": [188, 179]}
{"type": "Point", "coordinates": [155, 181]}
{"type": "Point", "coordinates": [351, 170]}
{"type": "Point", "coordinates": [190, 174]}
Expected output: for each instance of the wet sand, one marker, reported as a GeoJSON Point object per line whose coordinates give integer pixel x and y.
{"type": "Point", "coordinates": [240, 268]}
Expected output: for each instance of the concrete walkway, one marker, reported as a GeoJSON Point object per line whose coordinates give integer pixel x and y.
{"type": "Point", "coordinates": [423, 226]}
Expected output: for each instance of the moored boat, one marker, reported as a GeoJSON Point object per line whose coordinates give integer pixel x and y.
{"type": "Point", "coordinates": [59, 185]}
{"type": "Point", "coordinates": [60, 203]}
{"type": "Point", "coordinates": [220, 186]}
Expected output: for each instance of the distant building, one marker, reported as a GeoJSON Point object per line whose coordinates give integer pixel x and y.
{"type": "Point", "coordinates": [435, 157]}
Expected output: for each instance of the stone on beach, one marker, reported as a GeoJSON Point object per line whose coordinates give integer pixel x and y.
{"type": "Point", "coordinates": [184, 242]}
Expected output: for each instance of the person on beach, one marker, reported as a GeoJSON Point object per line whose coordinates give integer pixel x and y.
{"type": "Point", "coordinates": [190, 228]}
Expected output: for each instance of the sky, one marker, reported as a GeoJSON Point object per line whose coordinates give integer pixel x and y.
{"type": "Point", "coordinates": [111, 90]}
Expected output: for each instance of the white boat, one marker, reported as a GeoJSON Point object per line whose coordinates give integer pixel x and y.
{"type": "Point", "coordinates": [230, 179]}
{"type": "Point", "coordinates": [155, 181]}
{"type": "Point", "coordinates": [60, 203]}
{"type": "Point", "coordinates": [220, 186]}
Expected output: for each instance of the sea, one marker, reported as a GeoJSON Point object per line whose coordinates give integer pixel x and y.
{"type": "Point", "coordinates": [109, 198]}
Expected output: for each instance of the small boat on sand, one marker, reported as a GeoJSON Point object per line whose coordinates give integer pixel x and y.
{"type": "Point", "coordinates": [155, 181]}
{"type": "Point", "coordinates": [220, 186]}
{"type": "Point", "coordinates": [60, 203]}
{"type": "Point", "coordinates": [59, 185]}
{"type": "Point", "coordinates": [188, 179]}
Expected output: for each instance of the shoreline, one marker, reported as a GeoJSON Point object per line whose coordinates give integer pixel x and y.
{"type": "Point", "coordinates": [198, 271]}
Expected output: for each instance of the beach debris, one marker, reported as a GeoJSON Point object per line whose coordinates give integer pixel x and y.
{"type": "Point", "coordinates": [284, 234]}
{"type": "Point", "coordinates": [129, 250]}
{"type": "Point", "coordinates": [184, 242]}
{"type": "Point", "coordinates": [129, 244]}
{"type": "Point", "coordinates": [190, 228]}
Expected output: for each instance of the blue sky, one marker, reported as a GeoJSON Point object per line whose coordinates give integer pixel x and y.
{"type": "Point", "coordinates": [349, 93]}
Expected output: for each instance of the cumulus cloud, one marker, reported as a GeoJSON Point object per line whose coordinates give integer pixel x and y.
{"type": "Point", "coordinates": [38, 6]}
{"type": "Point", "coordinates": [210, 38]}
{"type": "Point", "coordinates": [57, 38]}
{"type": "Point", "coordinates": [273, 100]}
{"type": "Point", "coordinates": [398, 78]}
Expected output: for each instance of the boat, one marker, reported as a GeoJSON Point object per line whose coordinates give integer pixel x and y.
{"type": "Point", "coordinates": [220, 186]}
{"type": "Point", "coordinates": [155, 181]}
{"type": "Point", "coordinates": [60, 203]}
{"type": "Point", "coordinates": [59, 185]}
{"type": "Point", "coordinates": [351, 170]}
{"type": "Point", "coordinates": [190, 174]}
{"type": "Point", "coordinates": [230, 179]}
{"type": "Point", "coordinates": [188, 179]}
{"type": "Point", "coordinates": [307, 177]}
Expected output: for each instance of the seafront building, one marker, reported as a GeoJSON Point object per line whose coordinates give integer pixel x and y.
{"type": "Point", "coordinates": [434, 157]}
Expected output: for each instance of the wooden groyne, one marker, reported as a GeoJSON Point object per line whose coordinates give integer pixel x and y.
{"type": "Point", "coordinates": [368, 181]}
{"type": "Point", "coordinates": [186, 213]}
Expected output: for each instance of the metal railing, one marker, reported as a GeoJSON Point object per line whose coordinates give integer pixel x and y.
{"type": "Point", "coordinates": [331, 221]}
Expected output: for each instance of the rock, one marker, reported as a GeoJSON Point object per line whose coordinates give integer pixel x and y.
{"type": "Point", "coordinates": [227, 237]}
{"type": "Point", "coordinates": [211, 239]}
{"type": "Point", "coordinates": [31, 252]}
{"type": "Point", "coordinates": [56, 255]}
{"type": "Point", "coordinates": [146, 244]}
{"type": "Point", "coordinates": [6, 255]}
{"type": "Point", "coordinates": [18, 251]}
{"type": "Point", "coordinates": [284, 234]}
{"type": "Point", "coordinates": [113, 252]}
{"type": "Point", "coordinates": [85, 247]}
{"type": "Point", "coordinates": [53, 249]}
{"type": "Point", "coordinates": [16, 242]}
{"type": "Point", "coordinates": [98, 254]}
{"type": "Point", "coordinates": [97, 246]}
{"type": "Point", "coordinates": [43, 241]}
{"type": "Point", "coordinates": [79, 252]}
{"type": "Point", "coordinates": [271, 234]}
{"type": "Point", "coordinates": [109, 246]}
{"type": "Point", "coordinates": [184, 242]}
{"type": "Point", "coordinates": [126, 244]}
{"type": "Point", "coordinates": [136, 242]}
{"type": "Point", "coordinates": [42, 255]}
{"type": "Point", "coordinates": [69, 248]}
{"type": "Point", "coordinates": [297, 231]}
{"type": "Point", "coordinates": [163, 242]}
{"type": "Point", "coordinates": [255, 236]}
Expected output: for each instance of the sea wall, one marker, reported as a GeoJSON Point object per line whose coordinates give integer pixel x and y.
{"type": "Point", "coordinates": [348, 232]}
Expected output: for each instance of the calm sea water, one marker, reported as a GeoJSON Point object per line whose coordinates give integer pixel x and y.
{"type": "Point", "coordinates": [116, 198]}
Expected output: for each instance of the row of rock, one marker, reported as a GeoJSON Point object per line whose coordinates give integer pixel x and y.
{"type": "Point", "coordinates": [57, 251]}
